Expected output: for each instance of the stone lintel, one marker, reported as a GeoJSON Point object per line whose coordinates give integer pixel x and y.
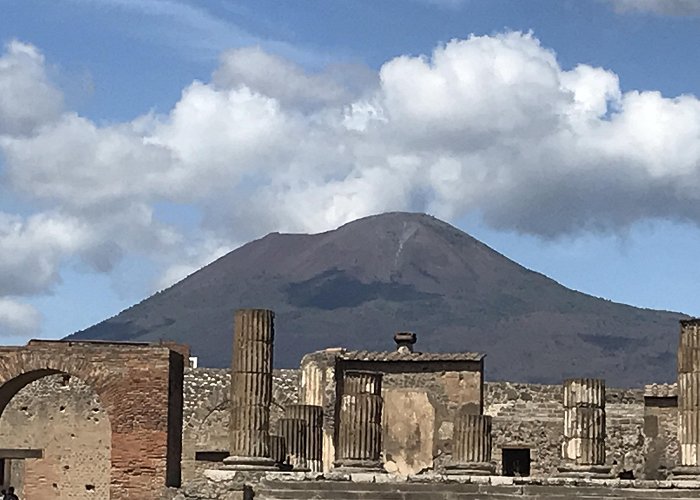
{"type": "Point", "coordinates": [20, 453]}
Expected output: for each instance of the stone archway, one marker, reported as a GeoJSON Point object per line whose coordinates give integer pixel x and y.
{"type": "Point", "coordinates": [57, 441]}
{"type": "Point", "coordinates": [140, 386]}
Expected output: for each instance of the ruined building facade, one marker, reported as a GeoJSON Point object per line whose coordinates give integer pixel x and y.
{"type": "Point", "coordinates": [111, 420]}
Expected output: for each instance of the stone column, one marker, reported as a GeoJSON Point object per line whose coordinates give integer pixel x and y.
{"type": "Point", "coordinates": [294, 430]}
{"type": "Point", "coordinates": [360, 421]}
{"type": "Point", "coordinates": [251, 389]}
{"type": "Point", "coordinates": [583, 449]}
{"type": "Point", "coordinates": [471, 445]}
{"type": "Point", "coordinates": [278, 450]}
{"type": "Point", "coordinates": [689, 399]}
{"type": "Point", "coordinates": [313, 416]}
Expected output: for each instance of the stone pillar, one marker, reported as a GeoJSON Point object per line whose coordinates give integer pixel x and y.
{"type": "Point", "coordinates": [278, 449]}
{"type": "Point", "coordinates": [471, 445]}
{"type": "Point", "coordinates": [313, 416]}
{"type": "Point", "coordinates": [689, 399]}
{"type": "Point", "coordinates": [360, 421]}
{"type": "Point", "coordinates": [251, 390]}
{"type": "Point", "coordinates": [583, 449]}
{"type": "Point", "coordinates": [294, 430]}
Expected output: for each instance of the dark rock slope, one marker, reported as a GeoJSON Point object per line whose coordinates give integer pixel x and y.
{"type": "Point", "coordinates": [356, 285]}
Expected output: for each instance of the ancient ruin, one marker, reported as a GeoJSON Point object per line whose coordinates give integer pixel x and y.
{"type": "Point", "coordinates": [121, 420]}
{"type": "Point", "coordinates": [139, 387]}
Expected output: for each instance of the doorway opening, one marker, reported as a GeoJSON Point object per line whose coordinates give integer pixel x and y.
{"type": "Point", "coordinates": [516, 461]}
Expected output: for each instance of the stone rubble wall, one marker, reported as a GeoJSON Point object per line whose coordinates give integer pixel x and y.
{"type": "Point", "coordinates": [206, 415]}
{"type": "Point", "coordinates": [524, 415]}
{"type": "Point", "coordinates": [531, 416]}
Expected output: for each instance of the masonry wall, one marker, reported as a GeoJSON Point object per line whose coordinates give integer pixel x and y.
{"type": "Point", "coordinates": [532, 416]}
{"type": "Point", "coordinates": [64, 417]}
{"type": "Point", "coordinates": [661, 432]}
{"type": "Point", "coordinates": [206, 414]}
{"type": "Point", "coordinates": [68, 421]}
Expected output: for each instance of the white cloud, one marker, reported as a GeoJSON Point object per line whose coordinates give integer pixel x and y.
{"type": "Point", "coordinates": [665, 7]}
{"type": "Point", "coordinates": [18, 319]}
{"type": "Point", "coordinates": [491, 124]}
{"type": "Point", "coordinates": [27, 98]}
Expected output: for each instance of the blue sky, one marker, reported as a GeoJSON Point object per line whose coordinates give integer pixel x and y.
{"type": "Point", "coordinates": [141, 139]}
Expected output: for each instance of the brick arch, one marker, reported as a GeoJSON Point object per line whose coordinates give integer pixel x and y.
{"type": "Point", "coordinates": [140, 387]}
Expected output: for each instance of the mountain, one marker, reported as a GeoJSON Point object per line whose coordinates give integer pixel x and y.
{"type": "Point", "coordinates": [355, 286]}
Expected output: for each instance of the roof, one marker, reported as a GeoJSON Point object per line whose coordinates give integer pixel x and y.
{"type": "Point", "coordinates": [661, 390]}
{"type": "Point", "coordinates": [410, 356]}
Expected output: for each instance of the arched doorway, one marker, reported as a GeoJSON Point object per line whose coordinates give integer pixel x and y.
{"type": "Point", "coordinates": [140, 389]}
{"type": "Point", "coordinates": [56, 441]}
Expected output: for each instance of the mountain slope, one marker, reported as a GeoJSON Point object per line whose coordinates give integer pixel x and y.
{"type": "Point", "coordinates": [356, 285]}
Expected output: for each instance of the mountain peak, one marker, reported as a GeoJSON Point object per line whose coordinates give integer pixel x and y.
{"type": "Point", "coordinates": [358, 284]}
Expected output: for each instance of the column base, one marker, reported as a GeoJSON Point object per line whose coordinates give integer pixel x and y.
{"type": "Point", "coordinates": [238, 463]}
{"type": "Point", "coordinates": [686, 473]}
{"type": "Point", "coordinates": [585, 471]}
{"type": "Point", "coordinates": [352, 466]}
{"type": "Point", "coordinates": [470, 469]}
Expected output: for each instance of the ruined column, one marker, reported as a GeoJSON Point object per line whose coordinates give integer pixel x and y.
{"type": "Point", "coordinates": [689, 399]}
{"type": "Point", "coordinates": [293, 430]}
{"type": "Point", "coordinates": [313, 416]}
{"type": "Point", "coordinates": [251, 389]}
{"type": "Point", "coordinates": [471, 445]}
{"type": "Point", "coordinates": [278, 449]}
{"type": "Point", "coordinates": [583, 449]}
{"type": "Point", "coordinates": [360, 421]}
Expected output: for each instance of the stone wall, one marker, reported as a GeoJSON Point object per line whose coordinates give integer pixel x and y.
{"type": "Point", "coordinates": [63, 417]}
{"type": "Point", "coordinates": [532, 416]}
{"type": "Point", "coordinates": [417, 405]}
{"type": "Point", "coordinates": [421, 404]}
{"type": "Point", "coordinates": [206, 414]}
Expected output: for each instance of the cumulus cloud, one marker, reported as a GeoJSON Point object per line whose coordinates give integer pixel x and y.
{"type": "Point", "coordinates": [18, 319]}
{"type": "Point", "coordinates": [490, 124]}
{"type": "Point", "coordinates": [664, 7]}
{"type": "Point", "coordinates": [27, 98]}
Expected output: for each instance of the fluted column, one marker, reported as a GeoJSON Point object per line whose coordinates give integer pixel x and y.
{"type": "Point", "coordinates": [583, 449]}
{"type": "Point", "coordinates": [251, 388]}
{"type": "Point", "coordinates": [584, 421]}
{"type": "Point", "coordinates": [313, 416]}
{"type": "Point", "coordinates": [689, 393]}
{"type": "Point", "coordinates": [471, 444]}
{"type": "Point", "coordinates": [472, 439]}
{"type": "Point", "coordinates": [278, 449]}
{"type": "Point", "coordinates": [360, 420]}
{"type": "Point", "coordinates": [293, 430]}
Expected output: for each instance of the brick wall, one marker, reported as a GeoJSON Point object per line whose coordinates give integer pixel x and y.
{"type": "Point", "coordinates": [64, 417]}
{"type": "Point", "coordinates": [133, 383]}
